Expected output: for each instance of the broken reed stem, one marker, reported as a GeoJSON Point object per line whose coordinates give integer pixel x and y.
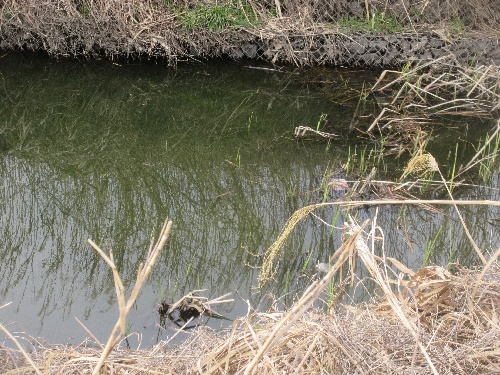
{"type": "Point", "coordinates": [124, 307]}
{"type": "Point", "coordinates": [309, 296]}
{"type": "Point", "coordinates": [91, 335]}
{"type": "Point", "coordinates": [267, 269]}
{"type": "Point", "coordinates": [480, 152]}
{"type": "Point", "coordinates": [424, 163]}
{"type": "Point", "coordinates": [483, 272]}
{"type": "Point", "coordinates": [480, 80]}
{"type": "Point", "coordinates": [25, 355]}
{"type": "Point", "coordinates": [382, 280]}
{"type": "Point", "coordinates": [469, 236]}
{"type": "Point", "coordinates": [439, 87]}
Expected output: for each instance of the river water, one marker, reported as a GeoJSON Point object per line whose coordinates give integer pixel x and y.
{"type": "Point", "coordinates": [107, 151]}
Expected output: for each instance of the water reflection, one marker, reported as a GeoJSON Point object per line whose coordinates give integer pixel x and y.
{"type": "Point", "coordinates": [108, 152]}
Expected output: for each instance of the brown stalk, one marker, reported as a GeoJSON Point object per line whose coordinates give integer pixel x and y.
{"type": "Point", "coordinates": [486, 267]}
{"type": "Point", "coordinates": [469, 236]}
{"type": "Point", "coordinates": [309, 296]}
{"type": "Point", "coordinates": [383, 281]}
{"type": "Point", "coordinates": [267, 271]}
{"type": "Point", "coordinates": [125, 306]}
{"type": "Point", "coordinates": [486, 144]}
{"type": "Point", "coordinates": [21, 349]}
{"type": "Point", "coordinates": [90, 333]}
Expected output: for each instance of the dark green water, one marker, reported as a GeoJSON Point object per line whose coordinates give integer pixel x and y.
{"type": "Point", "coordinates": [107, 151]}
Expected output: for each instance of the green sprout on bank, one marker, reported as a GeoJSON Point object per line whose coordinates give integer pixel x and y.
{"type": "Point", "coordinates": [216, 17]}
{"type": "Point", "coordinates": [331, 293]}
{"type": "Point", "coordinates": [456, 27]}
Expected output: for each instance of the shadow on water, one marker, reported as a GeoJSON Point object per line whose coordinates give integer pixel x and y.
{"type": "Point", "coordinates": [107, 152]}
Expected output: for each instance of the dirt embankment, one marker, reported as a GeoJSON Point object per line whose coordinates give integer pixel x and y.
{"type": "Point", "coordinates": [301, 32]}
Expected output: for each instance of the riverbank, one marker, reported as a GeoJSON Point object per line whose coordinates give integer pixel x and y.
{"type": "Point", "coordinates": [362, 33]}
{"type": "Point", "coordinates": [436, 321]}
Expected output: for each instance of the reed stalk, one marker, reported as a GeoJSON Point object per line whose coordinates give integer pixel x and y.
{"type": "Point", "coordinates": [123, 304]}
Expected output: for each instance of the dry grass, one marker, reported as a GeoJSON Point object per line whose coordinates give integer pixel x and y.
{"type": "Point", "coordinates": [440, 87]}
{"type": "Point", "coordinates": [413, 98]}
{"type": "Point", "coordinates": [154, 28]}
{"type": "Point", "coordinates": [429, 321]}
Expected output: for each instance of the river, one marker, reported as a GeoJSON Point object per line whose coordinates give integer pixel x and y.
{"type": "Point", "coordinates": [108, 150]}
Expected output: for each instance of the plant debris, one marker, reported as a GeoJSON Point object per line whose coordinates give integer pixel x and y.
{"type": "Point", "coordinates": [190, 307]}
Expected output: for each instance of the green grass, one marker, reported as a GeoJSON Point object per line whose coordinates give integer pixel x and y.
{"type": "Point", "coordinates": [453, 170]}
{"type": "Point", "coordinates": [430, 245]}
{"type": "Point", "coordinates": [84, 8]}
{"type": "Point", "coordinates": [7, 12]}
{"type": "Point", "coordinates": [456, 27]}
{"type": "Point", "coordinates": [307, 260]}
{"type": "Point", "coordinates": [216, 17]}
{"type": "Point", "coordinates": [330, 291]}
{"type": "Point", "coordinates": [362, 158]}
{"type": "Point", "coordinates": [378, 22]}
{"type": "Point", "coordinates": [488, 162]}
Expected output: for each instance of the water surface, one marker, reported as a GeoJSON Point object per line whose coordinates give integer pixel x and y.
{"type": "Point", "coordinates": [108, 151]}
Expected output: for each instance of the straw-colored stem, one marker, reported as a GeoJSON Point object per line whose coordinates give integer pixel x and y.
{"type": "Point", "coordinates": [124, 308]}
{"type": "Point", "coordinates": [305, 302]}
{"type": "Point", "coordinates": [267, 270]}
{"type": "Point", "coordinates": [486, 144]}
{"type": "Point", "coordinates": [483, 272]}
{"type": "Point", "coordinates": [14, 340]}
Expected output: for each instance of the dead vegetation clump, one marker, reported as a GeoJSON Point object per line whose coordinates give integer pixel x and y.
{"type": "Point", "coordinates": [417, 96]}
{"type": "Point", "coordinates": [88, 28]}
{"type": "Point", "coordinates": [429, 321]}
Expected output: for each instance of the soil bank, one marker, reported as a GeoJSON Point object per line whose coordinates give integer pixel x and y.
{"type": "Point", "coordinates": [303, 33]}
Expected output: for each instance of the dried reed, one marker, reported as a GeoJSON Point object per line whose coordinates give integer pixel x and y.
{"type": "Point", "coordinates": [273, 252]}
{"type": "Point", "coordinates": [436, 88]}
{"type": "Point", "coordinates": [428, 321]}
{"type": "Point", "coordinates": [424, 326]}
{"type": "Point", "coordinates": [123, 304]}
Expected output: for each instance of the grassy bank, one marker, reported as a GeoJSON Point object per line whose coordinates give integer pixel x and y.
{"type": "Point", "coordinates": [292, 32]}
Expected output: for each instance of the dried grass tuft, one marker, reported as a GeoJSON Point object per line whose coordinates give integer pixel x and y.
{"type": "Point", "coordinates": [428, 321]}
{"type": "Point", "coordinates": [416, 96]}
